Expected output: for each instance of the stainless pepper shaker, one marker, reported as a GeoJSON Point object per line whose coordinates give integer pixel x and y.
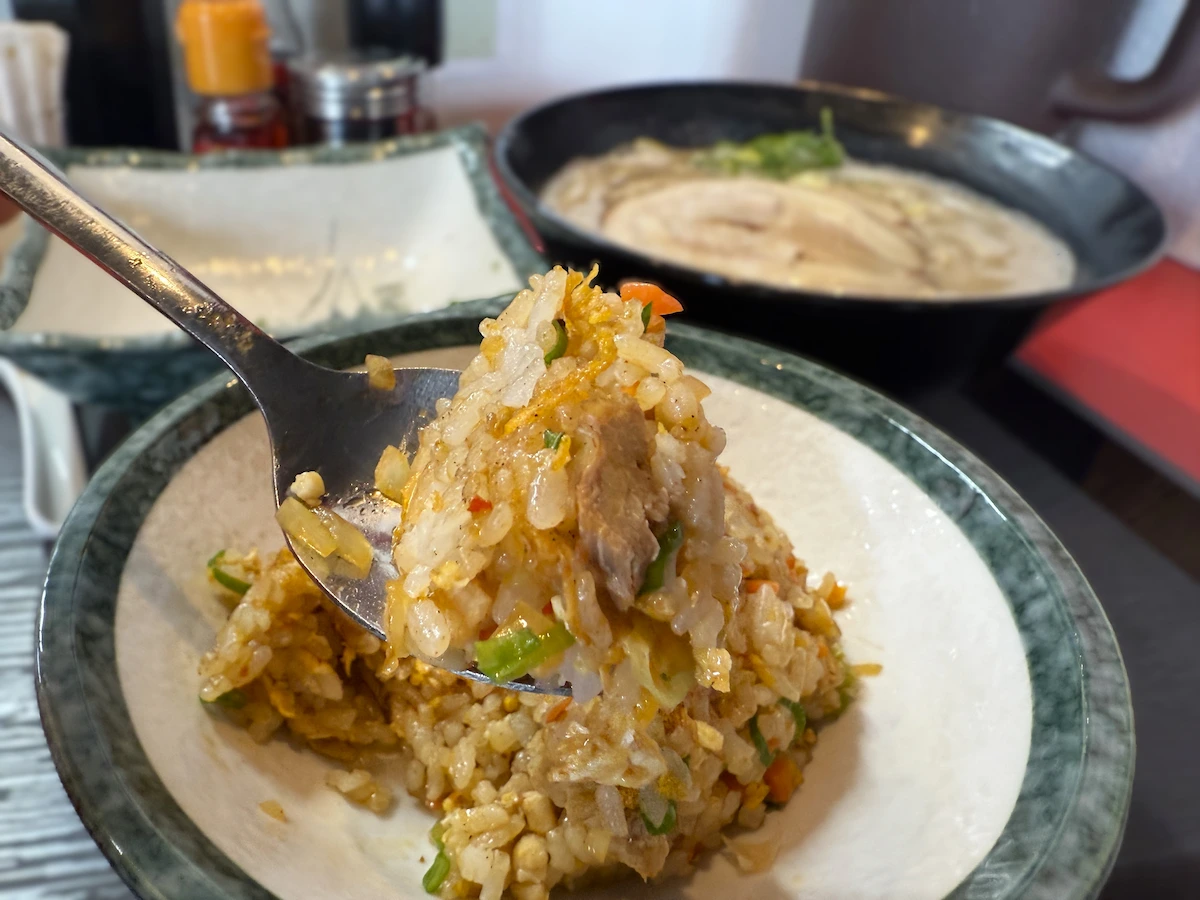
{"type": "Point", "coordinates": [343, 100]}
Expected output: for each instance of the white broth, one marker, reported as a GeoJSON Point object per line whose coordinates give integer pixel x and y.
{"type": "Point", "coordinates": [857, 228]}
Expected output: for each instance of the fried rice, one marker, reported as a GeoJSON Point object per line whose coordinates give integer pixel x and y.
{"type": "Point", "coordinates": [564, 520]}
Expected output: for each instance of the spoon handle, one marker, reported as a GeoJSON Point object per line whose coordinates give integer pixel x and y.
{"type": "Point", "coordinates": [152, 275]}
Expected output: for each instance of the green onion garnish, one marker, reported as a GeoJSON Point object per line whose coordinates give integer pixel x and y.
{"type": "Point", "coordinates": [668, 544]}
{"type": "Point", "coordinates": [233, 699]}
{"type": "Point", "coordinates": [227, 581]}
{"type": "Point", "coordinates": [846, 691]}
{"type": "Point", "coordinates": [435, 835]}
{"type": "Point", "coordinates": [511, 655]}
{"type": "Point", "coordinates": [437, 873]}
{"type": "Point", "coordinates": [498, 656]}
{"type": "Point", "coordinates": [760, 742]}
{"type": "Point", "coordinates": [798, 714]}
{"type": "Point", "coordinates": [554, 642]}
{"type": "Point", "coordinates": [666, 826]}
{"type": "Point", "coordinates": [552, 439]}
{"type": "Point", "coordinates": [779, 155]}
{"type": "Point", "coordinates": [647, 311]}
{"type": "Point", "coordinates": [223, 578]}
{"type": "Point", "coordinates": [560, 342]}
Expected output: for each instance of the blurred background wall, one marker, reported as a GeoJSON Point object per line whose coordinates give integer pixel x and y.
{"type": "Point", "coordinates": [545, 47]}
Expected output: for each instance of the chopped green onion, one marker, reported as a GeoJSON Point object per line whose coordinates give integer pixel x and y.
{"type": "Point", "coordinates": [666, 826]}
{"type": "Point", "coordinates": [511, 655]}
{"type": "Point", "coordinates": [798, 714]}
{"type": "Point", "coordinates": [846, 691]}
{"type": "Point", "coordinates": [647, 311]}
{"type": "Point", "coordinates": [437, 873]}
{"type": "Point", "coordinates": [760, 742]}
{"type": "Point", "coordinates": [227, 581]}
{"type": "Point", "coordinates": [505, 653]}
{"type": "Point", "coordinates": [560, 342]}
{"type": "Point", "coordinates": [554, 642]}
{"type": "Point", "coordinates": [778, 155]}
{"type": "Point", "coordinates": [223, 578]}
{"type": "Point", "coordinates": [233, 699]}
{"type": "Point", "coordinates": [846, 697]}
{"type": "Point", "coordinates": [552, 439]}
{"type": "Point", "coordinates": [668, 544]}
{"type": "Point", "coordinates": [436, 833]}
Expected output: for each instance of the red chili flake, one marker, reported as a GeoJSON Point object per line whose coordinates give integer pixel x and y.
{"type": "Point", "coordinates": [478, 504]}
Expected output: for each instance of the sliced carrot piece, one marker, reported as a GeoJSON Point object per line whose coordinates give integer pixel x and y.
{"type": "Point", "coordinates": [661, 303]}
{"type": "Point", "coordinates": [558, 710]}
{"type": "Point", "coordinates": [478, 504]}
{"type": "Point", "coordinates": [782, 777]}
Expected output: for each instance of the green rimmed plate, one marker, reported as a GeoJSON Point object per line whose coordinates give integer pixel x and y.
{"type": "Point", "coordinates": [992, 758]}
{"type": "Point", "coordinates": [306, 241]}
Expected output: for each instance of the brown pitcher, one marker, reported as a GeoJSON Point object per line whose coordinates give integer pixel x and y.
{"type": "Point", "coordinates": [1037, 63]}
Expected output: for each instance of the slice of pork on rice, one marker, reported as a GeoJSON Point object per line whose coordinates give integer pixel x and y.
{"type": "Point", "coordinates": [619, 502]}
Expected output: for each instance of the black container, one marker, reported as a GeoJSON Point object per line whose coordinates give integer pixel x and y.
{"type": "Point", "coordinates": [118, 77]}
{"type": "Point", "coordinates": [403, 27]}
{"type": "Point", "coordinates": [1112, 227]}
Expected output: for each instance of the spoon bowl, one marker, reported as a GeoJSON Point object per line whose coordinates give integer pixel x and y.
{"type": "Point", "coordinates": [337, 424]}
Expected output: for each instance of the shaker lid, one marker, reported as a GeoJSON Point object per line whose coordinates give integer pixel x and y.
{"type": "Point", "coordinates": [340, 88]}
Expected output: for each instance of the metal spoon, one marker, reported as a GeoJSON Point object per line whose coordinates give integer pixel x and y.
{"type": "Point", "coordinates": [318, 419]}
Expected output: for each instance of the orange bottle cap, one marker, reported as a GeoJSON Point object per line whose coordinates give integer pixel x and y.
{"type": "Point", "coordinates": [225, 46]}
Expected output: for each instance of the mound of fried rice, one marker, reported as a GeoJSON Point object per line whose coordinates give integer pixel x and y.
{"type": "Point", "coordinates": [571, 486]}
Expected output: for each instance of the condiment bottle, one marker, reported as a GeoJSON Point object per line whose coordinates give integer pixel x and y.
{"type": "Point", "coordinates": [356, 99]}
{"type": "Point", "coordinates": [229, 69]}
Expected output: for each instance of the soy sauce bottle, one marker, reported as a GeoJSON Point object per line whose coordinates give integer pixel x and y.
{"type": "Point", "coordinates": [228, 63]}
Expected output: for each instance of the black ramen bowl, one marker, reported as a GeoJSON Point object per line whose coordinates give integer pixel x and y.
{"type": "Point", "coordinates": [1111, 226]}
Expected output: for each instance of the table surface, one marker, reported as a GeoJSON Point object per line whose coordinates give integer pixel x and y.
{"type": "Point", "coordinates": [1134, 533]}
{"type": "Point", "coordinates": [1128, 359]}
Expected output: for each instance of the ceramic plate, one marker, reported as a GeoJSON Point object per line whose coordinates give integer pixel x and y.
{"type": "Point", "coordinates": [992, 758]}
{"type": "Point", "coordinates": [307, 241]}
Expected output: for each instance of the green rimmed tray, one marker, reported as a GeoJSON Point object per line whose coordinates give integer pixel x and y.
{"type": "Point", "coordinates": [141, 369]}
